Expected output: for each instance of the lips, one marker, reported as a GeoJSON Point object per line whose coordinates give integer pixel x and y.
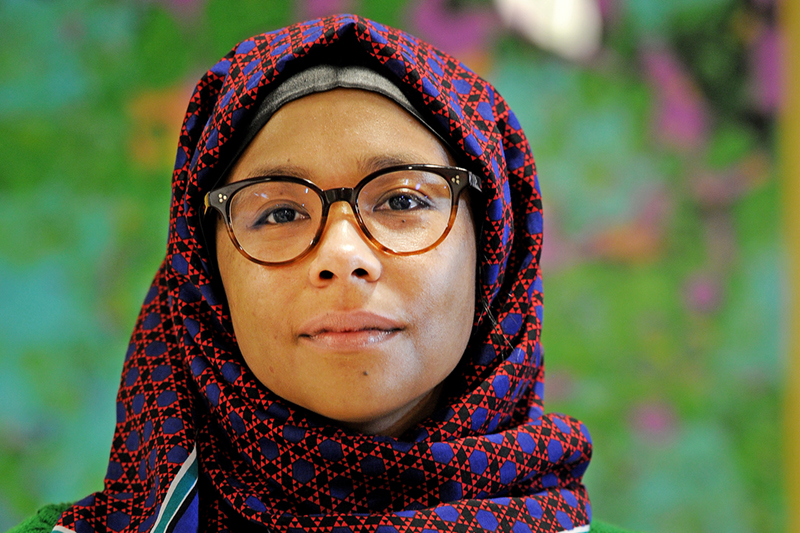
{"type": "Point", "coordinates": [349, 330]}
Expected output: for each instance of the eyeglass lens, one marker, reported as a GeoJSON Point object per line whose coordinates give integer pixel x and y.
{"type": "Point", "coordinates": [405, 211]}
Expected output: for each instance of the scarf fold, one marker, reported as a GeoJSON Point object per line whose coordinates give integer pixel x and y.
{"type": "Point", "coordinates": [201, 445]}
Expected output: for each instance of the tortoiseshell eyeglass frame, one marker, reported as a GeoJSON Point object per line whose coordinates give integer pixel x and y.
{"type": "Point", "coordinates": [458, 179]}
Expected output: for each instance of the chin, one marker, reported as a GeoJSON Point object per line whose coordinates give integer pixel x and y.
{"type": "Point", "coordinates": [349, 412]}
{"type": "Point", "coordinates": [358, 412]}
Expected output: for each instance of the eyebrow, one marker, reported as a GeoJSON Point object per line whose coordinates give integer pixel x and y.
{"type": "Point", "coordinates": [365, 166]}
{"type": "Point", "coordinates": [378, 162]}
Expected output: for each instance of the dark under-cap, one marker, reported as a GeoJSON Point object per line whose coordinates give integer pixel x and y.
{"type": "Point", "coordinates": [326, 77]}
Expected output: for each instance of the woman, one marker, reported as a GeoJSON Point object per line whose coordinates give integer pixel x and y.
{"type": "Point", "coordinates": [344, 335]}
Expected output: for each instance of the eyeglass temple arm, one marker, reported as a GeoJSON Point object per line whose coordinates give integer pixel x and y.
{"type": "Point", "coordinates": [205, 204]}
{"type": "Point", "coordinates": [474, 181]}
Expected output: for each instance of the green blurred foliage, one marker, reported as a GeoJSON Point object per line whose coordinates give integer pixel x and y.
{"type": "Point", "coordinates": [662, 260]}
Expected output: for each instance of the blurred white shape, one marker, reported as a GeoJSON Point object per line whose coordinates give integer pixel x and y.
{"type": "Point", "coordinates": [569, 28]}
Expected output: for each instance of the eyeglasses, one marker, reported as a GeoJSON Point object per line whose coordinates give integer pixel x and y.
{"type": "Point", "coordinates": [402, 210]}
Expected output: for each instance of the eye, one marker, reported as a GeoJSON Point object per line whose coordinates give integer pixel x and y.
{"type": "Point", "coordinates": [280, 214]}
{"type": "Point", "coordinates": [402, 201]}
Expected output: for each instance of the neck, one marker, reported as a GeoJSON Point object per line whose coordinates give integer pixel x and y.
{"type": "Point", "coordinates": [398, 422]}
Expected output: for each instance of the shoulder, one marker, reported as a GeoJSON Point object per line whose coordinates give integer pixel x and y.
{"type": "Point", "coordinates": [43, 521]}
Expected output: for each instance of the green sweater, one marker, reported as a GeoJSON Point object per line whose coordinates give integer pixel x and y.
{"type": "Point", "coordinates": [46, 517]}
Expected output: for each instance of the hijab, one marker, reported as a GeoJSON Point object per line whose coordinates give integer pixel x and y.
{"type": "Point", "coordinates": [201, 444]}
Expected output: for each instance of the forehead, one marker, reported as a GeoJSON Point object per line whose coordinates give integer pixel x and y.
{"type": "Point", "coordinates": [341, 130]}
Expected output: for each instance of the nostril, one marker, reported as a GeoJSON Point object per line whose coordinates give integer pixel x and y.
{"type": "Point", "coordinates": [361, 273]}
{"type": "Point", "coordinates": [326, 274]}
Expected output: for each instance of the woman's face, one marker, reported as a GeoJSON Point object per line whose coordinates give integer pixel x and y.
{"type": "Point", "coordinates": [350, 332]}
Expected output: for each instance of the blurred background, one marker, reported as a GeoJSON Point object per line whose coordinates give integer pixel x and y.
{"type": "Point", "coordinates": [653, 124]}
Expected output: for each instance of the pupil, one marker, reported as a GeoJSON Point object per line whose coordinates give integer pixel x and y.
{"type": "Point", "coordinates": [283, 215]}
{"type": "Point", "coordinates": [400, 202]}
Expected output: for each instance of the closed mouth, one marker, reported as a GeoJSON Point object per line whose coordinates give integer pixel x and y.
{"type": "Point", "coordinates": [351, 329]}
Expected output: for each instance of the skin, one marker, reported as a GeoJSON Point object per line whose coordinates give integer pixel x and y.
{"type": "Point", "coordinates": [385, 378]}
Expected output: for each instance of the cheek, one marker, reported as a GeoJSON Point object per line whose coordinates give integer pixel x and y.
{"type": "Point", "coordinates": [259, 315]}
{"type": "Point", "coordinates": [448, 297]}
{"type": "Point", "coordinates": [253, 298]}
{"type": "Point", "coordinates": [464, 260]}
{"type": "Point", "coordinates": [231, 272]}
{"type": "Point", "coordinates": [465, 269]}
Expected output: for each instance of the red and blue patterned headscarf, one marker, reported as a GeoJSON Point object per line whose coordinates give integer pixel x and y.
{"type": "Point", "coordinates": [201, 445]}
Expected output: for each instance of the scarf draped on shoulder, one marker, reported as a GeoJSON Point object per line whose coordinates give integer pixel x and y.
{"type": "Point", "coordinates": [200, 444]}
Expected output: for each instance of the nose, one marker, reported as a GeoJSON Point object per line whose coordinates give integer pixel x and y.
{"type": "Point", "coordinates": [343, 252]}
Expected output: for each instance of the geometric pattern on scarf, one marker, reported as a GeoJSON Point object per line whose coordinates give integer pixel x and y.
{"type": "Point", "coordinates": [487, 460]}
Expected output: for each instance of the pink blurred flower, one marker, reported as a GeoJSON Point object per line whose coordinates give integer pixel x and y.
{"type": "Point", "coordinates": [719, 188]}
{"type": "Point", "coordinates": [609, 10]}
{"type": "Point", "coordinates": [655, 421]}
{"type": "Point", "coordinates": [560, 386]}
{"type": "Point", "coordinates": [765, 71]}
{"type": "Point", "coordinates": [715, 189]}
{"type": "Point", "coordinates": [466, 33]}
{"type": "Point", "coordinates": [681, 111]}
{"type": "Point", "coordinates": [702, 293]}
{"type": "Point", "coordinates": [559, 252]}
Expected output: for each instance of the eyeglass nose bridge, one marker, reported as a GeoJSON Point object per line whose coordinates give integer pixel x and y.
{"type": "Point", "coordinates": [349, 195]}
{"type": "Point", "coordinates": [340, 194]}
